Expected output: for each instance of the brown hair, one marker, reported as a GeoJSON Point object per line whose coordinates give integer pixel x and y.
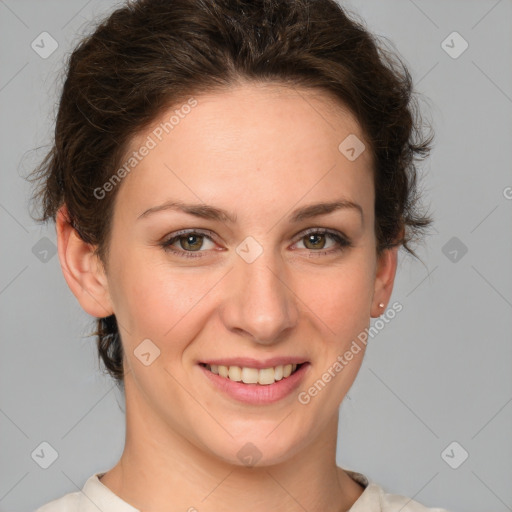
{"type": "Point", "coordinates": [151, 54]}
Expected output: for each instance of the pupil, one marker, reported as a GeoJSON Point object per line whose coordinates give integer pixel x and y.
{"type": "Point", "coordinates": [190, 242]}
{"type": "Point", "coordinates": [312, 237]}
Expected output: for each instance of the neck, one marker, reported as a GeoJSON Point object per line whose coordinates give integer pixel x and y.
{"type": "Point", "coordinates": [160, 469]}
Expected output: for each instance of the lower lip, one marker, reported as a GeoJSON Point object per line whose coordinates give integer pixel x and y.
{"type": "Point", "coordinates": [258, 394]}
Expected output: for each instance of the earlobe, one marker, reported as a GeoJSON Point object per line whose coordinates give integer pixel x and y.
{"type": "Point", "coordinates": [82, 269]}
{"type": "Point", "coordinates": [384, 280]}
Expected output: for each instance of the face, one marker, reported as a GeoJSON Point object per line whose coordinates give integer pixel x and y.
{"type": "Point", "coordinates": [243, 242]}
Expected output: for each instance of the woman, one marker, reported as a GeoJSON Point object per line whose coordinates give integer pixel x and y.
{"type": "Point", "coordinates": [231, 182]}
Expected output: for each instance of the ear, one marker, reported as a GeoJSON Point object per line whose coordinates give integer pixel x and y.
{"type": "Point", "coordinates": [82, 269]}
{"type": "Point", "coordinates": [384, 280]}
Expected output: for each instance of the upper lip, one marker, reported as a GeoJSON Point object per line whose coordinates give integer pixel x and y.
{"type": "Point", "coordinates": [248, 362]}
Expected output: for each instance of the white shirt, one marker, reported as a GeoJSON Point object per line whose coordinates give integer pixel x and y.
{"type": "Point", "coordinates": [96, 496]}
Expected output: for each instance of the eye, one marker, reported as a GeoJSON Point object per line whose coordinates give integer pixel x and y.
{"type": "Point", "coordinates": [317, 240]}
{"type": "Point", "coordinates": [191, 244]}
{"type": "Point", "coordinates": [186, 243]}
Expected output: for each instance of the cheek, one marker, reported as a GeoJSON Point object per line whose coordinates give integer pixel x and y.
{"type": "Point", "coordinates": [158, 300]}
{"type": "Point", "coordinates": [142, 295]}
{"type": "Point", "coordinates": [340, 299]}
{"type": "Point", "coordinates": [153, 300]}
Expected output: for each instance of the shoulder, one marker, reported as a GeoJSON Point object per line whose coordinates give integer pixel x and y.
{"type": "Point", "coordinates": [93, 497]}
{"type": "Point", "coordinates": [66, 503]}
{"type": "Point", "coordinates": [375, 499]}
{"type": "Point", "coordinates": [392, 502]}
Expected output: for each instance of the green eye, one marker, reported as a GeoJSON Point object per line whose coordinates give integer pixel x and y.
{"type": "Point", "coordinates": [189, 242]}
{"type": "Point", "coordinates": [318, 241]}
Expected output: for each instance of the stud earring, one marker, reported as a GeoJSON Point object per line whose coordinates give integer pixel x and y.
{"type": "Point", "coordinates": [381, 305]}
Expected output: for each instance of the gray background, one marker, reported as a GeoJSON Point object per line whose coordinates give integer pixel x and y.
{"type": "Point", "coordinates": [439, 373]}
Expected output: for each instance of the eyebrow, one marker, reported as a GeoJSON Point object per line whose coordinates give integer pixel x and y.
{"type": "Point", "coordinates": [205, 211]}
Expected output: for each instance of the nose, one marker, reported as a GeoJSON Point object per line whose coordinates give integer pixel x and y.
{"type": "Point", "coordinates": [259, 303]}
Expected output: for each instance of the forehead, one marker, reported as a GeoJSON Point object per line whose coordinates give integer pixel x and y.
{"type": "Point", "coordinates": [273, 111]}
{"type": "Point", "coordinates": [261, 136]}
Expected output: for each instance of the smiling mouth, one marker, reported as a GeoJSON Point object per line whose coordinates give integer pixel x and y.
{"type": "Point", "coordinates": [246, 375]}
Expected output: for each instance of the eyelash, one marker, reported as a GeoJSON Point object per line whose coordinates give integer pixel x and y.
{"type": "Point", "coordinates": [342, 241]}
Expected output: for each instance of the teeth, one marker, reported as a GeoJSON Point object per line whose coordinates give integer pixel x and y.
{"type": "Point", "coordinates": [253, 375]}
{"type": "Point", "coordinates": [250, 375]}
{"type": "Point", "coordinates": [235, 373]}
{"type": "Point", "coordinates": [266, 376]}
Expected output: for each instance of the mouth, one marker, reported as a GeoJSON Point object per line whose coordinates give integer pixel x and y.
{"type": "Point", "coordinates": [250, 375]}
{"type": "Point", "coordinates": [256, 382]}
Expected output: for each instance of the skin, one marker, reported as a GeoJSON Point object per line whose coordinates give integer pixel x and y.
{"type": "Point", "coordinates": [258, 151]}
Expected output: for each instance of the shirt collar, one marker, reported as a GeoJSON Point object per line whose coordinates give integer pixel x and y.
{"type": "Point", "coordinates": [98, 497]}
